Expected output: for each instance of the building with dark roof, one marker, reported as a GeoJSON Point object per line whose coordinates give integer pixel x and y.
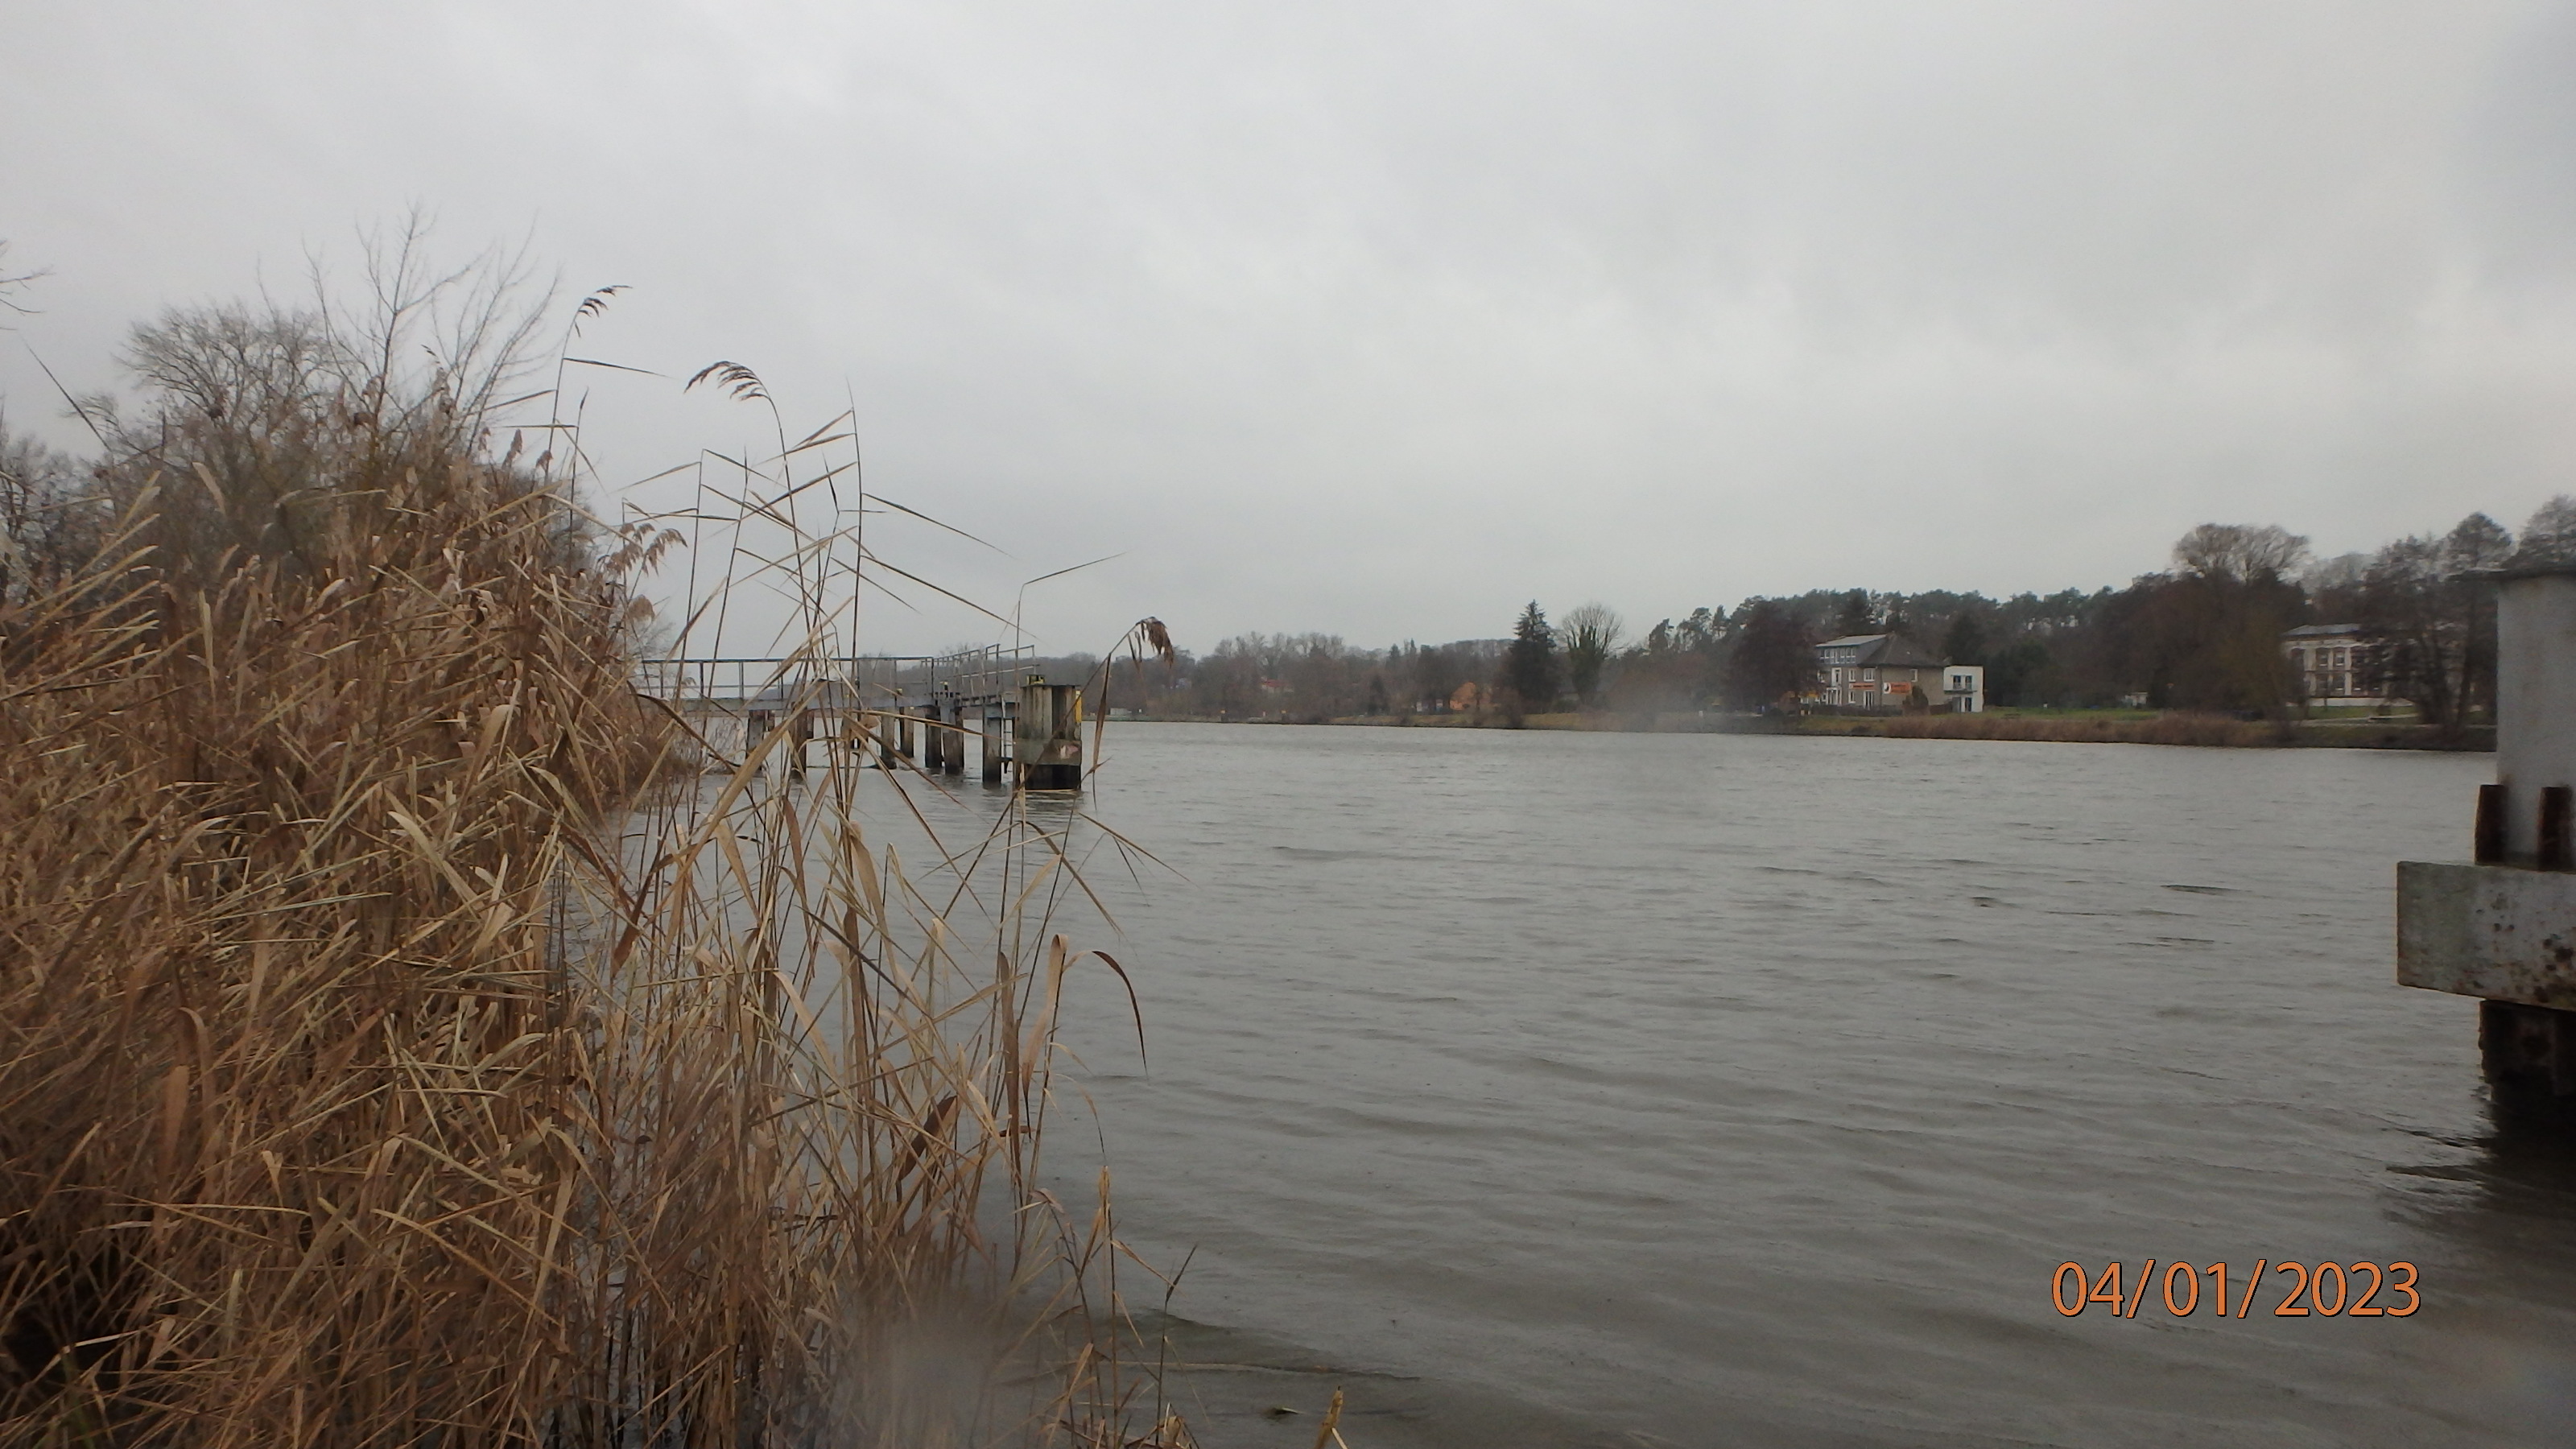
{"type": "Point", "coordinates": [1890, 672]}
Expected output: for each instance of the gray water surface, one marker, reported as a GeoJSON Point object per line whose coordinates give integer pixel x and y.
{"type": "Point", "coordinates": [1726, 1090]}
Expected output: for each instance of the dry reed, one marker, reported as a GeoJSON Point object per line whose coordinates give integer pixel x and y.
{"type": "Point", "coordinates": [409, 1042]}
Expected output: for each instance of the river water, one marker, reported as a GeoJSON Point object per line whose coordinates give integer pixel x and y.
{"type": "Point", "coordinates": [1548, 1088]}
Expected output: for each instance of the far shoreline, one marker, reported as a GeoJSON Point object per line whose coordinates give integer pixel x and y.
{"type": "Point", "coordinates": [2105, 727]}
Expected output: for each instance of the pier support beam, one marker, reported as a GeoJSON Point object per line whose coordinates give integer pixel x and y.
{"type": "Point", "coordinates": [996, 740]}
{"type": "Point", "coordinates": [1047, 745]}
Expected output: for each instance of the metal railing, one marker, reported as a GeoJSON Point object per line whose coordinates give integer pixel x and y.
{"type": "Point", "coordinates": [845, 681]}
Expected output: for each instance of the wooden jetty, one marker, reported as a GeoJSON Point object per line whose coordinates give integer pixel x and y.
{"type": "Point", "coordinates": [890, 711]}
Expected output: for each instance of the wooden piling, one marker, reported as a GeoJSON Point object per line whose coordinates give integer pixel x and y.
{"type": "Point", "coordinates": [996, 739]}
{"type": "Point", "coordinates": [952, 738]}
{"type": "Point", "coordinates": [2487, 838]}
{"type": "Point", "coordinates": [2528, 1050]}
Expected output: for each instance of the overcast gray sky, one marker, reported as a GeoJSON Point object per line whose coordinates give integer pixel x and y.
{"type": "Point", "coordinates": [1383, 318]}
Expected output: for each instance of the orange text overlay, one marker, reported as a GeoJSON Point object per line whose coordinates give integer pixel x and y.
{"type": "Point", "coordinates": [2295, 1290]}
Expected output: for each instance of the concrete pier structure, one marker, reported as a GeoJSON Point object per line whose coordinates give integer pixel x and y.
{"type": "Point", "coordinates": [881, 709]}
{"type": "Point", "coordinates": [2502, 926]}
{"type": "Point", "coordinates": [1047, 745]}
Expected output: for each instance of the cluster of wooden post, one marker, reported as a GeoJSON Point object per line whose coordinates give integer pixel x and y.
{"type": "Point", "coordinates": [949, 723]}
{"type": "Point", "coordinates": [1035, 738]}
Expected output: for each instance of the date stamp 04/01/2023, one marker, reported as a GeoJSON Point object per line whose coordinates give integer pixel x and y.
{"type": "Point", "coordinates": [2328, 1290]}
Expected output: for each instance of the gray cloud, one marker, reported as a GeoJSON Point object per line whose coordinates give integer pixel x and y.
{"type": "Point", "coordinates": [1381, 319]}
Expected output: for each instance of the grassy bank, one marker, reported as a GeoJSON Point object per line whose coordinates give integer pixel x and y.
{"type": "Point", "coordinates": [2173, 728]}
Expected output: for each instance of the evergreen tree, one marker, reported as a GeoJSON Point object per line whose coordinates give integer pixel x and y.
{"type": "Point", "coordinates": [2021, 675]}
{"type": "Point", "coordinates": [1529, 665]}
{"type": "Point", "coordinates": [1965, 643]}
{"type": "Point", "coordinates": [1772, 663]}
{"type": "Point", "coordinates": [1854, 616]}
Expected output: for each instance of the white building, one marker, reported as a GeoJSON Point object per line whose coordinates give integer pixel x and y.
{"type": "Point", "coordinates": [1965, 690]}
{"type": "Point", "coordinates": [2333, 665]}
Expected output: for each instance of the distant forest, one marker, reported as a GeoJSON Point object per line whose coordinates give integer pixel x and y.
{"type": "Point", "coordinates": [2204, 634]}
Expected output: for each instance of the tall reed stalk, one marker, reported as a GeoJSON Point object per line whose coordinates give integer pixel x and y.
{"type": "Point", "coordinates": [410, 1034]}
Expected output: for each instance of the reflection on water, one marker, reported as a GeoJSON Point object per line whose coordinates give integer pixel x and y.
{"type": "Point", "coordinates": [1732, 1090]}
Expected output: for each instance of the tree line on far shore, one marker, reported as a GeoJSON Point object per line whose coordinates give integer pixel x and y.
{"type": "Point", "coordinates": [2204, 634]}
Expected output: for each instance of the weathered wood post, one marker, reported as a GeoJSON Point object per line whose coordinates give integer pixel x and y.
{"type": "Point", "coordinates": [996, 719]}
{"type": "Point", "coordinates": [756, 725]}
{"type": "Point", "coordinates": [952, 737]}
{"type": "Point", "coordinates": [2503, 927]}
{"type": "Point", "coordinates": [934, 741]}
{"type": "Point", "coordinates": [903, 719]}
{"type": "Point", "coordinates": [1048, 743]}
{"type": "Point", "coordinates": [850, 728]}
{"type": "Point", "coordinates": [800, 733]}
{"type": "Point", "coordinates": [889, 738]}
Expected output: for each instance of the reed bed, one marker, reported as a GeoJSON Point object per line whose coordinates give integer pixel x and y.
{"type": "Point", "coordinates": [410, 1034]}
{"type": "Point", "coordinates": [2172, 728]}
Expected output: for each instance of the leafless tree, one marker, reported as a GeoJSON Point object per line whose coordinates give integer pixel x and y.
{"type": "Point", "coordinates": [2240, 552]}
{"type": "Point", "coordinates": [1590, 635]}
{"type": "Point", "coordinates": [49, 522]}
{"type": "Point", "coordinates": [2343, 571]}
{"type": "Point", "coordinates": [261, 426]}
{"type": "Point", "coordinates": [12, 281]}
{"type": "Point", "coordinates": [2550, 536]}
{"type": "Point", "coordinates": [2435, 627]}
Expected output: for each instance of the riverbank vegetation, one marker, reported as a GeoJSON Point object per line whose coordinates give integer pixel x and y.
{"type": "Point", "coordinates": [415, 1035]}
{"type": "Point", "coordinates": [2202, 638]}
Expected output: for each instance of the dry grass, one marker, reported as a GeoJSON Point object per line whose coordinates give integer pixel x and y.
{"type": "Point", "coordinates": [403, 1043]}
